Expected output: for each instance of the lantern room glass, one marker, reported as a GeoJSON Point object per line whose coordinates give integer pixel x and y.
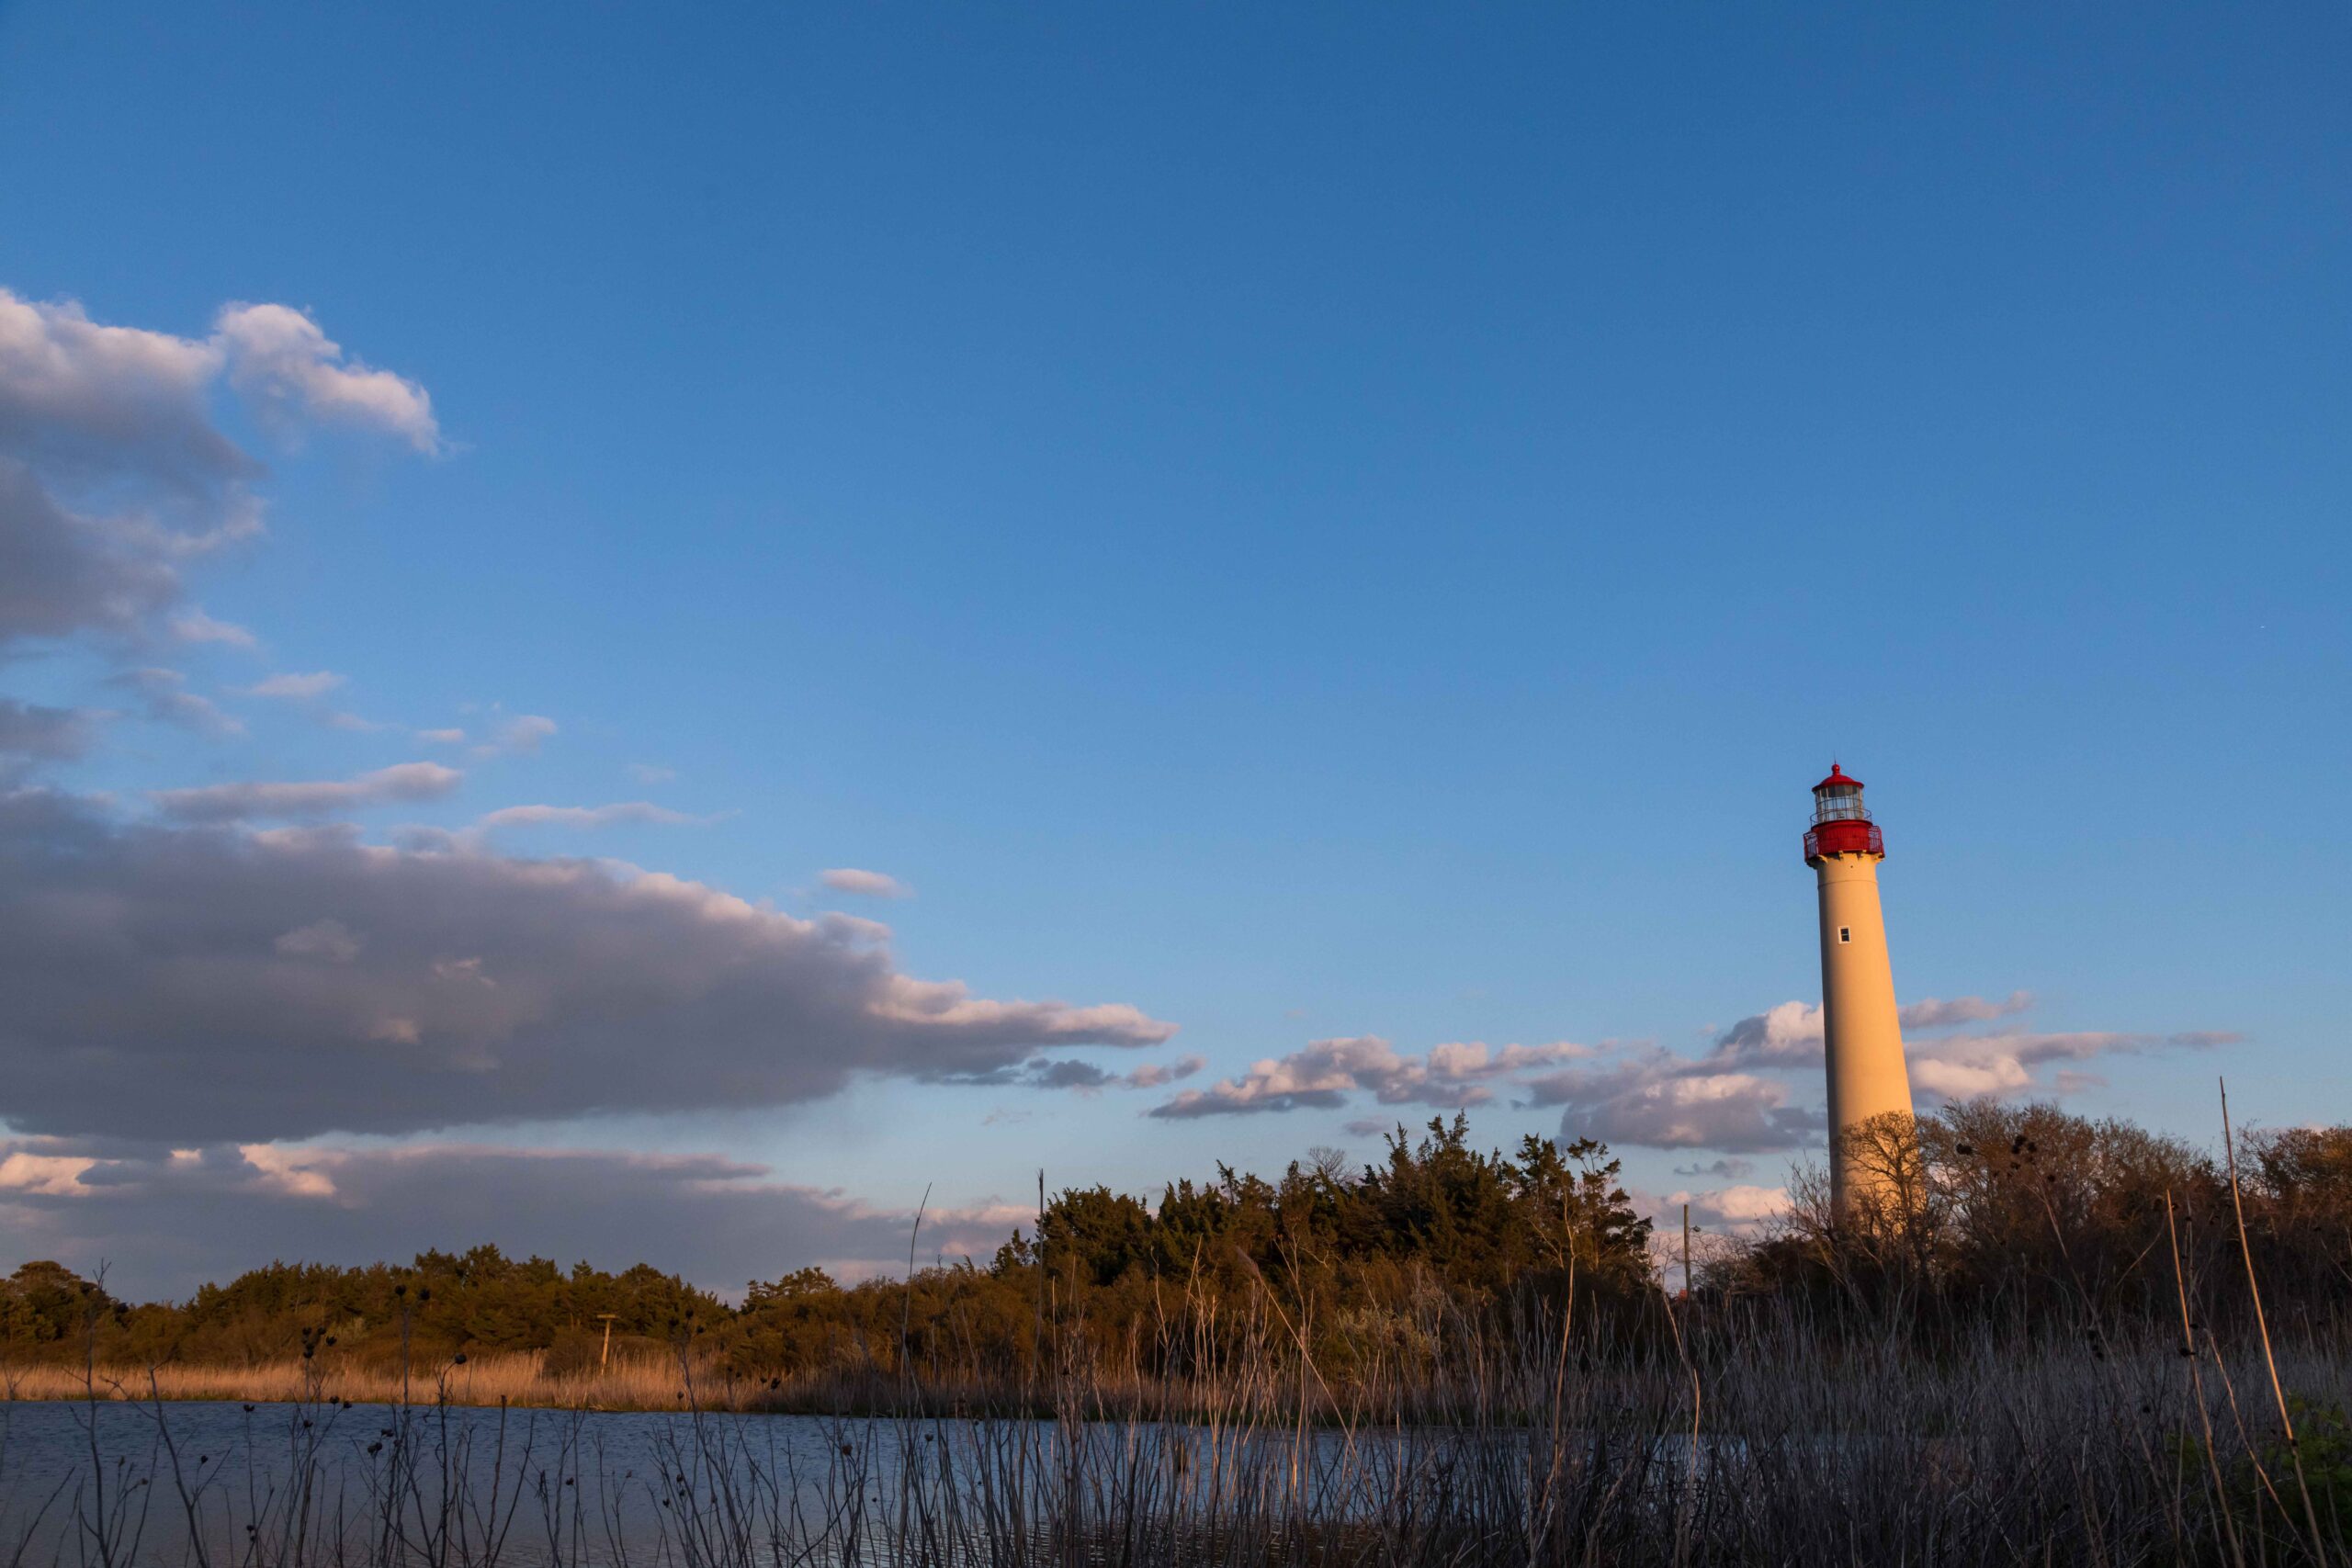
{"type": "Point", "coordinates": [1840, 802]}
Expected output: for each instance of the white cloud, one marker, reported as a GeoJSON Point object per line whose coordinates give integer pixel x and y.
{"type": "Point", "coordinates": [49, 1176]}
{"type": "Point", "coordinates": [1327, 1072]}
{"type": "Point", "coordinates": [329, 939]}
{"type": "Point", "coordinates": [1154, 1075]}
{"type": "Point", "coordinates": [1462, 1060]}
{"type": "Point", "coordinates": [523, 734]}
{"type": "Point", "coordinates": [1718, 1101]}
{"type": "Point", "coordinates": [1741, 1209]}
{"type": "Point", "coordinates": [113, 476]}
{"type": "Point", "coordinates": [649, 774]}
{"type": "Point", "coordinates": [290, 1173]}
{"type": "Point", "coordinates": [237, 802]}
{"type": "Point", "coordinates": [1720, 1170]}
{"type": "Point", "coordinates": [1968, 1067]}
{"type": "Point", "coordinates": [1661, 1101]}
{"type": "Point", "coordinates": [163, 696]}
{"type": "Point", "coordinates": [442, 736]}
{"type": "Point", "coordinates": [582, 816]}
{"type": "Point", "coordinates": [867, 883]}
{"type": "Point", "coordinates": [87, 399]}
{"type": "Point", "coordinates": [1788, 1035]}
{"type": "Point", "coordinates": [194, 626]}
{"type": "Point", "coordinates": [294, 687]}
{"type": "Point", "coordinates": [1931, 1014]}
{"type": "Point", "coordinates": [287, 367]}
{"type": "Point", "coordinates": [1086, 1078]}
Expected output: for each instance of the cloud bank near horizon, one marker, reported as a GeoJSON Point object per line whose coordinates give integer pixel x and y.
{"type": "Point", "coordinates": [170, 1220]}
{"type": "Point", "coordinates": [161, 986]}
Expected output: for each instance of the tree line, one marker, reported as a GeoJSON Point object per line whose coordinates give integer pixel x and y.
{"type": "Point", "coordinates": [2018, 1215]}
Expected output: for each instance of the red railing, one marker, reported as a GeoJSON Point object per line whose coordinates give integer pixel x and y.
{"type": "Point", "coordinates": [1844, 838]}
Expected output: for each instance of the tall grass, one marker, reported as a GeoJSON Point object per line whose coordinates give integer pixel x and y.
{"type": "Point", "coordinates": [1868, 1424]}
{"type": "Point", "coordinates": [1750, 1435]}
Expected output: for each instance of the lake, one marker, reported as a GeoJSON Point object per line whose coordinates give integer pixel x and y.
{"type": "Point", "coordinates": [278, 1483]}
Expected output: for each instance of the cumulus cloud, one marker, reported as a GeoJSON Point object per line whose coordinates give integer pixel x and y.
{"type": "Point", "coordinates": [1957, 1066]}
{"type": "Point", "coordinates": [194, 626]}
{"type": "Point", "coordinates": [86, 400]}
{"type": "Point", "coordinates": [1720, 1170]}
{"type": "Point", "coordinates": [1661, 1101]}
{"type": "Point", "coordinates": [113, 475]}
{"type": "Point", "coordinates": [64, 572]}
{"type": "Point", "coordinates": [867, 884]}
{"type": "Point", "coordinates": [1736, 1098]}
{"type": "Point", "coordinates": [291, 371]}
{"type": "Point", "coordinates": [43, 1175]}
{"type": "Point", "coordinates": [1154, 1075]}
{"type": "Point", "coordinates": [169, 1223]}
{"type": "Point", "coordinates": [294, 687]}
{"type": "Point", "coordinates": [320, 797]}
{"type": "Point", "coordinates": [149, 994]}
{"type": "Point", "coordinates": [163, 696]}
{"type": "Point", "coordinates": [28, 729]}
{"type": "Point", "coordinates": [1968, 1067]}
{"type": "Point", "coordinates": [1932, 1014]}
{"type": "Point", "coordinates": [523, 734]}
{"type": "Point", "coordinates": [1087, 1077]}
{"type": "Point", "coordinates": [1742, 1209]}
{"type": "Point", "coordinates": [582, 816]}
{"type": "Point", "coordinates": [1327, 1072]}
{"type": "Point", "coordinates": [1791, 1035]}
{"type": "Point", "coordinates": [329, 940]}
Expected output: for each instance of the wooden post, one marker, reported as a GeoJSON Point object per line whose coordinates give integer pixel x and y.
{"type": "Point", "coordinates": [607, 1354]}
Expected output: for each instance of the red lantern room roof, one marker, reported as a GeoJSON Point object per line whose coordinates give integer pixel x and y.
{"type": "Point", "coordinates": [1841, 826]}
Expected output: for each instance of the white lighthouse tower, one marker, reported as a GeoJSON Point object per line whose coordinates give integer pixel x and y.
{"type": "Point", "coordinates": [1867, 1078]}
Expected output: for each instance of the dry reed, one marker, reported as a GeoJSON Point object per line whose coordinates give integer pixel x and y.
{"type": "Point", "coordinates": [1537, 1446]}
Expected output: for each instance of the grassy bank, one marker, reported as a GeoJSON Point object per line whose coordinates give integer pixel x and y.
{"type": "Point", "coordinates": [513, 1378]}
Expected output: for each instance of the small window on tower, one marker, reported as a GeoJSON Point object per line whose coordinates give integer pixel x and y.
{"type": "Point", "coordinates": [1845, 933]}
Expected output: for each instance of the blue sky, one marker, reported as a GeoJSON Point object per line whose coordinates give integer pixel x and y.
{"type": "Point", "coordinates": [1309, 524]}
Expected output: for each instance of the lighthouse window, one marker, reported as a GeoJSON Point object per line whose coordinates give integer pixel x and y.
{"type": "Point", "coordinates": [1845, 933]}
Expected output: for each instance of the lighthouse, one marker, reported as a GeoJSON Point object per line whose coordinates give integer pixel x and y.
{"type": "Point", "coordinates": [1865, 1038]}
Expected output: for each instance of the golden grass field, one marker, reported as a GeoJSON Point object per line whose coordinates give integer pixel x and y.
{"type": "Point", "coordinates": [511, 1378]}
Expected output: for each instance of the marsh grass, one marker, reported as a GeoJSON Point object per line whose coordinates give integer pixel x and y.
{"type": "Point", "coordinates": [1750, 1434]}
{"type": "Point", "coordinates": [1868, 1419]}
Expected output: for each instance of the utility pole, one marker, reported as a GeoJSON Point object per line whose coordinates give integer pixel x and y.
{"type": "Point", "coordinates": [1686, 1252]}
{"type": "Point", "coordinates": [607, 1354]}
